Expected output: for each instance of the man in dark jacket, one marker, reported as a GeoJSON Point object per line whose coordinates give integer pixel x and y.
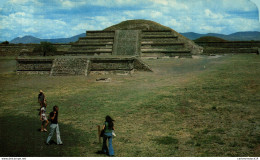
{"type": "Point", "coordinates": [54, 126]}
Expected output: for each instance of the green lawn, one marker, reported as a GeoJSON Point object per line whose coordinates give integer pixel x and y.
{"type": "Point", "coordinates": [187, 107]}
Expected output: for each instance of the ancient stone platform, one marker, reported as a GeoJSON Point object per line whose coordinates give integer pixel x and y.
{"type": "Point", "coordinates": [80, 65]}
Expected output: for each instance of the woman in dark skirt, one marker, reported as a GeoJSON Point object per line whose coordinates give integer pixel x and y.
{"type": "Point", "coordinates": [108, 128]}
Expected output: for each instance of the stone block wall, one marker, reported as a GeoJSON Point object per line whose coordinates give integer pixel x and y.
{"type": "Point", "coordinates": [79, 66]}
{"type": "Point", "coordinates": [231, 47]}
{"type": "Point", "coordinates": [15, 49]}
{"type": "Point", "coordinates": [33, 66]}
{"type": "Point", "coordinates": [69, 66]}
{"type": "Point", "coordinates": [107, 64]}
{"type": "Point", "coordinates": [27, 50]}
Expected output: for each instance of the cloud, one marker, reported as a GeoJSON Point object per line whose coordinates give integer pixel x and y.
{"type": "Point", "coordinates": [65, 18]}
{"type": "Point", "coordinates": [71, 4]}
{"type": "Point", "coordinates": [171, 4]}
{"type": "Point", "coordinates": [210, 29]}
{"type": "Point", "coordinates": [27, 23]}
{"type": "Point", "coordinates": [30, 30]}
{"type": "Point", "coordinates": [257, 3]}
{"type": "Point", "coordinates": [212, 15]}
{"type": "Point", "coordinates": [156, 14]}
{"type": "Point", "coordinates": [83, 26]}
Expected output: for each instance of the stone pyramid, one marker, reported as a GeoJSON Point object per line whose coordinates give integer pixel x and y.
{"type": "Point", "coordinates": [135, 38]}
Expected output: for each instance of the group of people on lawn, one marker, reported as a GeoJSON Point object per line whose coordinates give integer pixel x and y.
{"type": "Point", "coordinates": [108, 127]}
{"type": "Point", "coordinates": [53, 117]}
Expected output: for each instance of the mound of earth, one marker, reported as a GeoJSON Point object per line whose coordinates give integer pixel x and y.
{"type": "Point", "coordinates": [210, 39]}
{"type": "Point", "coordinates": [153, 26]}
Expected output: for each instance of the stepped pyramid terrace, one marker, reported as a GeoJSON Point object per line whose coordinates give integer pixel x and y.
{"type": "Point", "coordinates": [118, 48]}
{"type": "Point", "coordinates": [135, 38]}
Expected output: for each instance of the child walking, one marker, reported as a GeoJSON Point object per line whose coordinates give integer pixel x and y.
{"type": "Point", "coordinates": [43, 118]}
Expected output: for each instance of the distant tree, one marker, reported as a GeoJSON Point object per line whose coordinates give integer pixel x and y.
{"type": "Point", "coordinates": [5, 42]}
{"type": "Point", "coordinates": [45, 47]}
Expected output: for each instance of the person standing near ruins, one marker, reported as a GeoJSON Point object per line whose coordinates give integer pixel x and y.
{"type": "Point", "coordinates": [41, 98]}
{"type": "Point", "coordinates": [44, 119]}
{"type": "Point", "coordinates": [108, 128]}
{"type": "Point", "coordinates": [54, 126]}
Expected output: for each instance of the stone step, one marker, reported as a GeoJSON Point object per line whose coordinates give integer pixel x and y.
{"type": "Point", "coordinates": [93, 51]}
{"type": "Point", "coordinates": [158, 36]}
{"type": "Point", "coordinates": [151, 31]}
{"type": "Point", "coordinates": [92, 44]}
{"type": "Point", "coordinates": [89, 53]}
{"type": "Point", "coordinates": [156, 55]}
{"type": "Point", "coordinates": [161, 43]}
{"type": "Point", "coordinates": [98, 31]}
{"type": "Point", "coordinates": [35, 69]}
{"type": "Point", "coordinates": [163, 40]}
{"type": "Point", "coordinates": [166, 51]}
{"type": "Point", "coordinates": [90, 49]}
{"type": "Point", "coordinates": [229, 50]}
{"type": "Point", "coordinates": [97, 41]}
{"type": "Point", "coordinates": [97, 37]}
{"type": "Point", "coordinates": [159, 48]}
{"type": "Point", "coordinates": [62, 74]}
{"type": "Point", "coordinates": [156, 33]}
{"type": "Point", "coordinates": [230, 44]}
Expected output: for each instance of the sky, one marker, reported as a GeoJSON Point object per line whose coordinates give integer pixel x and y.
{"type": "Point", "coordinates": [48, 19]}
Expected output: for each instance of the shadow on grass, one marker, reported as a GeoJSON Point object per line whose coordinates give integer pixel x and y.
{"type": "Point", "coordinates": [19, 137]}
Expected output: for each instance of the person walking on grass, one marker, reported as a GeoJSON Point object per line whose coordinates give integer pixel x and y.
{"type": "Point", "coordinates": [41, 98]}
{"type": "Point", "coordinates": [44, 119]}
{"type": "Point", "coordinates": [108, 128]}
{"type": "Point", "coordinates": [54, 126]}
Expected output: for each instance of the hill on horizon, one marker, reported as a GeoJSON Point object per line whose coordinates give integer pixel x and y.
{"type": "Point", "coordinates": [210, 39]}
{"type": "Point", "coordinates": [237, 36]}
{"type": "Point", "coordinates": [30, 39]}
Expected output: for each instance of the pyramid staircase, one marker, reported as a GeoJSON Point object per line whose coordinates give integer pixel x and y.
{"type": "Point", "coordinates": [162, 43]}
{"type": "Point", "coordinates": [95, 43]}
{"type": "Point", "coordinates": [154, 43]}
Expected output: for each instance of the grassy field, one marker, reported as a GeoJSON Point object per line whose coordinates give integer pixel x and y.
{"type": "Point", "coordinates": [187, 107]}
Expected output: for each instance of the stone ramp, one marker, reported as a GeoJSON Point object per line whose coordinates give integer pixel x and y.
{"type": "Point", "coordinates": [70, 66]}
{"type": "Point", "coordinates": [127, 42]}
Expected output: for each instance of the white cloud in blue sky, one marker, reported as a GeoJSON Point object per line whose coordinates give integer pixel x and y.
{"type": "Point", "coordinates": [66, 18]}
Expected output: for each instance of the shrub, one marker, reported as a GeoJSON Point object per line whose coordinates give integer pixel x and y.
{"type": "Point", "coordinates": [5, 42]}
{"type": "Point", "coordinates": [45, 47]}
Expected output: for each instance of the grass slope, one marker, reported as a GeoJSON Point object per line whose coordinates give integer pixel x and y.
{"type": "Point", "coordinates": [186, 107]}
